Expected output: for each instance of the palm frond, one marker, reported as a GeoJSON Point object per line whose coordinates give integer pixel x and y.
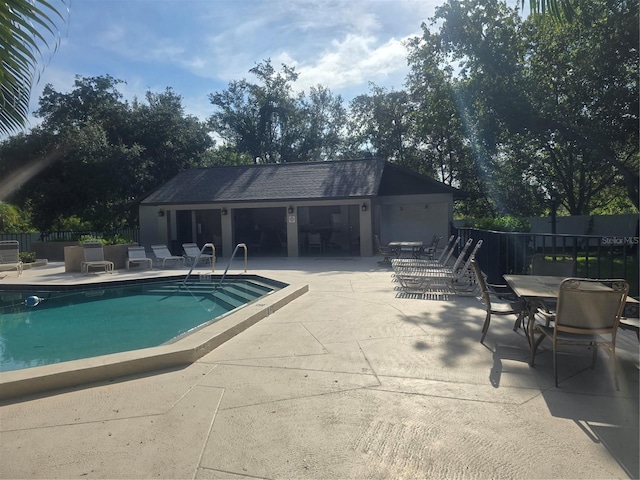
{"type": "Point", "coordinates": [558, 9]}
{"type": "Point", "coordinates": [26, 30]}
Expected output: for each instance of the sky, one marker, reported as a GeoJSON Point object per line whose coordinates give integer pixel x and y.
{"type": "Point", "coordinates": [197, 47]}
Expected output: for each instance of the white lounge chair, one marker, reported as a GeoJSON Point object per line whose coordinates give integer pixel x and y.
{"type": "Point", "coordinates": [193, 254]}
{"type": "Point", "coordinates": [162, 254]}
{"type": "Point", "coordinates": [457, 279]}
{"type": "Point", "coordinates": [10, 255]}
{"type": "Point", "coordinates": [441, 262]}
{"type": "Point", "coordinates": [410, 267]}
{"type": "Point", "coordinates": [138, 256]}
{"type": "Point", "coordinates": [94, 257]}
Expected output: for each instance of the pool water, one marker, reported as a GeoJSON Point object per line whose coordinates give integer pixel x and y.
{"type": "Point", "coordinates": [71, 325]}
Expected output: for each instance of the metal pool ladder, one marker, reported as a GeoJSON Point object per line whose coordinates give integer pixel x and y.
{"type": "Point", "coordinates": [243, 245]}
{"type": "Point", "coordinates": [195, 260]}
{"type": "Point", "coordinates": [213, 262]}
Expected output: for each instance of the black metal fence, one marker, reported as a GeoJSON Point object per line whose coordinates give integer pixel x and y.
{"type": "Point", "coordinates": [26, 239]}
{"type": "Point", "coordinates": [596, 256]}
{"type": "Point", "coordinates": [501, 252]}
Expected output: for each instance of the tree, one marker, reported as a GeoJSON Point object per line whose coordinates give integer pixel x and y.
{"type": "Point", "coordinates": [24, 26]}
{"type": "Point", "coordinates": [110, 152]}
{"type": "Point", "coordinates": [255, 118]}
{"type": "Point", "coordinates": [381, 123]}
{"type": "Point", "coordinates": [13, 219]}
{"type": "Point", "coordinates": [436, 95]}
{"type": "Point", "coordinates": [322, 118]}
{"type": "Point", "coordinates": [585, 92]}
{"type": "Point", "coordinates": [93, 100]}
{"type": "Point", "coordinates": [23, 157]}
{"type": "Point", "coordinates": [531, 98]}
{"type": "Point", "coordinates": [83, 125]}
{"type": "Point", "coordinates": [458, 89]}
{"type": "Point", "coordinates": [267, 122]}
{"type": "Point", "coordinates": [172, 140]}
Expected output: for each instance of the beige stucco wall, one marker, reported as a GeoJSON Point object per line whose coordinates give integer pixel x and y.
{"type": "Point", "coordinates": [414, 217]}
{"type": "Point", "coordinates": [152, 227]}
{"type": "Point", "coordinates": [401, 217]}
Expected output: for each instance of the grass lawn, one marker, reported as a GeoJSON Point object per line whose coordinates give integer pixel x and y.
{"type": "Point", "coordinates": [606, 267]}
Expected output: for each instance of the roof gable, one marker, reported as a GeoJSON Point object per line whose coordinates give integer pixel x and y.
{"type": "Point", "coordinates": [399, 180]}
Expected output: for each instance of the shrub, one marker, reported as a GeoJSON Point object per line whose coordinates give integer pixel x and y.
{"type": "Point", "coordinates": [90, 238]}
{"type": "Point", "coordinates": [27, 257]}
{"type": "Point", "coordinates": [503, 224]}
{"type": "Point", "coordinates": [117, 240]}
{"type": "Point", "coordinates": [113, 240]}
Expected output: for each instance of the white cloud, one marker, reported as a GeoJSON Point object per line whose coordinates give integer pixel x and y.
{"type": "Point", "coordinates": [198, 105]}
{"type": "Point", "coordinates": [115, 33]}
{"type": "Point", "coordinates": [341, 44]}
{"type": "Point", "coordinates": [355, 61]}
{"type": "Point", "coordinates": [337, 44]}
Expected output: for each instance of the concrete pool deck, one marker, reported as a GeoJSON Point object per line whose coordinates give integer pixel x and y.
{"type": "Point", "coordinates": [350, 380]}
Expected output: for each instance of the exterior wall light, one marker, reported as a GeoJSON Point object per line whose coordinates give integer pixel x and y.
{"type": "Point", "coordinates": [223, 211]}
{"type": "Point", "coordinates": [364, 207]}
{"type": "Point", "coordinates": [161, 213]}
{"type": "Point", "coordinates": [290, 209]}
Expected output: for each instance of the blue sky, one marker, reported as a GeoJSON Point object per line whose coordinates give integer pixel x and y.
{"type": "Point", "coordinates": [198, 46]}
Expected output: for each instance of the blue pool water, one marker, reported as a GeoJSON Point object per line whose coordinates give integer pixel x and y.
{"type": "Point", "coordinates": [69, 325]}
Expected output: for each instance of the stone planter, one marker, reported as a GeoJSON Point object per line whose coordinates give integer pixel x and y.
{"type": "Point", "coordinates": [74, 255]}
{"type": "Point", "coordinates": [52, 251]}
{"type": "Point", "coordinates": [40, 262]}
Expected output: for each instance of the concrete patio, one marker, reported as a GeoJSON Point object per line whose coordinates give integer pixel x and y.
{"type": "Point", "coordinates": [351, 380]}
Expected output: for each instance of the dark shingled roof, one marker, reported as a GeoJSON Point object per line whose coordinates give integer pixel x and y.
{"type": "Point", "coordinates": [293, 181]}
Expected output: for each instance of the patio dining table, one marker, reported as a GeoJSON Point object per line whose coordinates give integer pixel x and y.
{"type": "Point", "coordinates": [538, 290]}
{"type": "Point", "coordinates": [534, 287]}
{"type": "Point", "coordinates": [413, 248]}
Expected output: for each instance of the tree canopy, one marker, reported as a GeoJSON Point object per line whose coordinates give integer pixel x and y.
{"type": "Point", "coordinates": [550, 108]}
{"type": "Point", "coordinates": [107, 152]}
{"type": "Point", "coordinates": [269, 123]}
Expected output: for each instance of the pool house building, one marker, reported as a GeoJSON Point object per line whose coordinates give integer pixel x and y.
{"type": "Point", "coordinates": [331, 208]}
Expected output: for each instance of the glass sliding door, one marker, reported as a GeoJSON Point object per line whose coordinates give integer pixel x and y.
{"type": "Point", "coordinates": [329, 230]}
{"type": "Point", "coordinates": [263, 230]}
{"type": "Point", "coordinates": [184, 231]}
{"type": "Point", "coordinates": [209, 229]}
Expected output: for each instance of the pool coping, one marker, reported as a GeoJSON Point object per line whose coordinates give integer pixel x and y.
{"type": "Point", "coordinates": [184, 351]}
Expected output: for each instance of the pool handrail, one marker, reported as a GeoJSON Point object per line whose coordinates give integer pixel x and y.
{"type": "Point", "coordinates": [195, 261]}
{"type": "Point", "coordinates": [243, 245]}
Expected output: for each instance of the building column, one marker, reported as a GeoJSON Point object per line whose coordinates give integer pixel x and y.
{"type": "Point", "coordinates": [227, 232]}
{"type": "Point", "coordinates": [366, 230]}
{"type": "Point", "coordinates": [292, 234]}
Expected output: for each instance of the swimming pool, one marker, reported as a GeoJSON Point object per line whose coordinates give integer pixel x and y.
{"type": "Point", "coordinates": [180, 352]}
{"type": "Point", "coordinates": [45, 327]}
